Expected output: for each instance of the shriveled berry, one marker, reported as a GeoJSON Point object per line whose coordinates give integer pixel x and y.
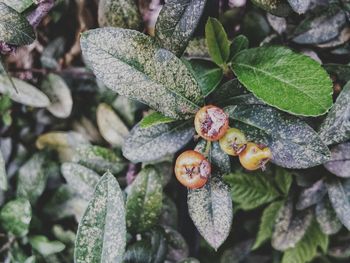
{"type": "Point", "coordinates": [233, 142]}
{"type": "Point", "coordinates": [254, 156]}
{"type": "Point", "coordinates": [192, 169]}
{"type": "Point", "coordinates": [211, 123]}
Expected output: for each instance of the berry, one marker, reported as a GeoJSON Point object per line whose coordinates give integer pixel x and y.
{"type": "Point", "coordinates": [192, 169]}
{"type": "Point", "coordinates": [211, 123]}
{"type": "Point", "coordinates": [254, 157]}
{"type": "Point", "coordinates": [233, 142]}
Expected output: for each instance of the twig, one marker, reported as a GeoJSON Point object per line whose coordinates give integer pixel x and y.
{"type": "Point", "coordinates": [8, 244]}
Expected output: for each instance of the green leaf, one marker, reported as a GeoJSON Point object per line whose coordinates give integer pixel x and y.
{"type": "Point", "coordinates": [111, 127]}
{"type": "Point", "coordinates": [153, 119]}
{"type": "Point", "coordinates": [341, 71]}
{"type": "Point", "coordinates": [26, 94]}
{"type": "Point", "coordinates": [336, 127]}
{"type": "Point", "coordinates": [139, 252]}
{"type": "Point", "coordinates": [238, 253]}
{"type": "Point", "coordinates": [311, 195]}
{"type": "Point", "coordinates": [251, 190]}
{"type": "Point", "coordinates": [99, 159]}
{"type": "Point", "coordinates": [294, 144]}
{"type": "Point", "coordinates": [177, 246]}
{"type": "Point", "coordinates": [32, 178]}
{"type": "Point", "coordinates": [44, 246]}
{"type": "Point", "coordinates": [208, 75]}
{"type": "Point", "coordinates": [101, 234]}
{"type": "Point", "coordinates": [275, 7]}
{"type": "Point", "coordinates": [119, 13]}
{"type": "Point", "coordinates": [210, 209]}
{"type": "Point", "coordinates": [131, 64]}
{"type": "Point", "coordinates": [18, 5]}
{"type": "Point", "coordinates": [339, 195]}
{"type": "Point", "coordinates": [283, 180]}
{"type": "Point", "coordinates": [14, 28]}
{"type": "Point", "coordinates": [3, 176]}
{"type": "Point", "coordinates": [327, 218]}
{"type": "Point", "coordinates": [286, 80]}
{"type": "Point", "coordinates": [80, 179]}
{"type": "Point", "coordinates": [290, 226]}
{"type": "Point", "coordinates": [339, 164]}
{"type": "Point", "coordinates": [144, 202]}
{"type": "Point", "coordinates": [157, 141]}
{"type": "Point", "coordinates": [267, 223]}
{"type": "Point", "coordinates": [238, 44]}
{"type": "Point", "coordinates": [59, 94]}
{"type": "Point", "coordinates": [176, 23]}
{"type": "Point", "coordinates": [306, 249]}
{"type": "Point", "coordinates": [217, 41]}
{"type": "Point", "coordinates": [15, 217]}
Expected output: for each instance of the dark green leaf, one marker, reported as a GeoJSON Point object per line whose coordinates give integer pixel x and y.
{"type": "Point", "coordinates": [15, 217]}
{"type": "Point", "coordinates": [336, 127]}
{"type": "Point", "coordinates": [169, 215]}
{"type": "Point", "coordinates": [154, 119]}
{"type": "Point", "coordinates": [283, 180]}
{"type": "Point", "coordinates": [286, 80]}
{"type": "Point", "coordinates": [144, 202]}
{"type": "Point", "coordinates": [238, 44]}
{"type": "Point", "coordinates": [339, 195]}
{"type": "Point", "coordinates": [80, 179]}
{"type": "Point", "coordinates": [293, 143]}
{"type": "Point", "coordinates": [149, 144]}
{"type": "Point", "coordinates": [139, 69]}
{"type": "Point", "coordinates": [210, 208]}
{"type": "Point", "coordinates": [267, 223]}
{"type": "Point", "coordinates": [119, 13]}
{"type": "Point", "coordinates": [101, 234]}
{"type": "Point", "coordinates": [189, 260]}
{"type": "Point", "coordinates": [176, 23]}
{"type": "Point", "coordinates": [339, 164]}
{"type": "Point", "coordinates": [327, 218]}
{"type": "Point", "coordinates": [340, 251]}
{"type": "Point", "coordinates": [312, 195]}
{"type": "Point", "coordinates": [251, 190]}
{"type": "Point", "coordinates": [238, 253]}
{"type": "Point", "coordinates": [207, 74]}
{"type": "Point", "coordinates": [44, 246]}
{"type": "Point", "coordinates": [306, 249]}
{"type": "Point", "coordinates": [220, 161]}
{"type": "Point", "coordinates": [32, 178]}
{"type": "Point", "coordinates": [341, 71]}
{"type": "Point", "coordinates": [159, 245]}
{"type": "Point", "coordinates": [139, 252]}
{"type": "Point", "coordinates": [177, 246]}
{"type": "Point", "coordinates": [99, 159]}
{"type": "Point", "coordinates": [276, 7]}
{"type": "Point", "coordinates": [14, 28]}
{"type": "Point", "coordinates": [3, 176]}
{"type": "Point", "coordinates": [290, 226]}
{"type": "Point", "coordinates": [217, 42]}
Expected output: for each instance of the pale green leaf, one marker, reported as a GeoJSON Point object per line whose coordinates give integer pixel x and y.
{"type": "Point", "coordinates": [15, 217]}
{"type": "Point", "coordinates": [157, 141]}
{"type": "Point", "coordinates": [101, 234]}
{"type": "Point", "coordinates": [210, 209]}
{"type": "Point", "coordinates": [144, 202]}
{"type": "Point", "coordinates": [294, 144]}
{"type": "Point", "coordinates": [267, 223]}
{"type": "Point", "coordinates": [14, 28]}
{"type": "Point", "coordinates": [3, 176]}
{"type": "Point", "coordinates": [217, 42]}
{"type": "Point", "coordinates": [131, 64]}
{"type": "Point", "coordinates": [176, 23]}
{"type": "Point", "coordinates": [286, 80]}
{"type": "Point", "coordinates": [336, 127]}
{"type": "Point", "coordinates": [284, 180]}
{"type": "Point", "coordinates": [154, 118]}
{"type": "Point", "coordinates": [44, 246]}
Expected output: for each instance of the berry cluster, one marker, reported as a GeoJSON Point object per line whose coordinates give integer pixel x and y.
{"type": "Point", "coordinates": [192, 169]}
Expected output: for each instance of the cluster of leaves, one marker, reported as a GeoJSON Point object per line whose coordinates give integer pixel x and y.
{"type": "Point", "coordinates": [86, 164]}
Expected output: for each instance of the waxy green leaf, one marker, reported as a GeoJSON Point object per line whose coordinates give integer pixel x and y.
{"type": "Point", "coordinates": [14, 28]}
{"type": "Point", "coordinates": [336, 127]}
{"type": "Point", "coordinates": [153, 119]}
{"type": "Point", "coordinates": [101, 234]}
{"type": "Point", "coordinates": [15, 217]}
{"type": "Point", "coordinates": [139, 69]}
{"type": "Point", "coordinates": [339, 164]}
{"type": "Point", "coordinates": [144, 202]}
{"type": "Point", "coordinates": [157, 141]}
{"type": "Point", "coordinates": [286, 80]}
{"type": "Point", "coordinates": [239, 43]}
{"type": "Point", "coordinates": [217, 41]}
{"type": "Point", "coordinates": [294, 144]}
{"type": "Point", "coordinates": [176, 23]}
